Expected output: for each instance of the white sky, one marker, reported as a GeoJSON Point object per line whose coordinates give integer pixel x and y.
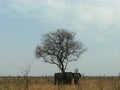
{"type": "Point", "coordinates": [95, 22]}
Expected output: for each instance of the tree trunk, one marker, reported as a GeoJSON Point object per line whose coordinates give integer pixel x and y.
{"type": "Point", "coordinates": [63, 69]}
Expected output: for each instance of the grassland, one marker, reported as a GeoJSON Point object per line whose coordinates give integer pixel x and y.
{"type": "Point", "coordinates": [47, 83]}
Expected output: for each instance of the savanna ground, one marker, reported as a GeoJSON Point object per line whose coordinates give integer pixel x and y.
{"type": "Point", "coordinates": [47, 83]}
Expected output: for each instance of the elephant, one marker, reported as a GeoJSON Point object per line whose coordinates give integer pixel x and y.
{"type": "Point", "coordinates": [68, 78]}
{"type": "Point", "coordinates": [63, 78]}
{"type": "Point", "coordinates": [76, 77]}
{"type": "Point", "coordinates": [58, 78]}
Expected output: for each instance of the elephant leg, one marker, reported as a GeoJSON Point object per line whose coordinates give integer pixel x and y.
{"type": "Point", "coordinates": [75, 81]}
{"type": "Point", "coordinates": [55, 82]}
{"type": "Point", "coordinates": [70, 82]}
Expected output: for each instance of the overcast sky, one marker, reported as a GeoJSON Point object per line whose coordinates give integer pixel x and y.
{"type": "Point", "coordinates": [95, 22]}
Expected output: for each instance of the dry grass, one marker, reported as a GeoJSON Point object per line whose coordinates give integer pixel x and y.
{"type": "Point", "coordinates": [47, 83]}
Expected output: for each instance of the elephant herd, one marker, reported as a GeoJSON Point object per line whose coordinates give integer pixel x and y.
{"type": "Point", "coordinates": [66, 78]}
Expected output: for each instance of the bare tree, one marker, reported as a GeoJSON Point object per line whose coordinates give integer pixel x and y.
{"type": "Point", "coordinates": [59, 48]}
{"type": "Point", "coordinates": [26, 72]}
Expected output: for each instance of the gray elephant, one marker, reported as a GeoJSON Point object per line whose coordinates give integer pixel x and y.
{"type": "Point", "coordinates": [58, 78]}
{"type": "Point", "coordinates": [76, 77]}
{"type": "Point", "coordinates": [63, 78]}
{"type": "Point", "coordinates": [68, 78]}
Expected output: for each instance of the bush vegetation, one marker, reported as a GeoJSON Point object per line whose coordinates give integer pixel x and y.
{"type": "Point", "coordinates": [47, 83]}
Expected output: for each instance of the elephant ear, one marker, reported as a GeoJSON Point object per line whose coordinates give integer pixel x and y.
{"type": "Point", "coordinates": [80, 74]}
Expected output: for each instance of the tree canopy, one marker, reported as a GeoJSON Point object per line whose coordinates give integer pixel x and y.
{"type": "Point", "coordinates": [59, 48]}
